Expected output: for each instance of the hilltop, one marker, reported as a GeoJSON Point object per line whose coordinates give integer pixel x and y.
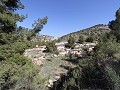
{"type": "Point", "coordinates": [96, 31]}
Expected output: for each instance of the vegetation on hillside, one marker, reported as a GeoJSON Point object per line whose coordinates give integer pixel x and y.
{"type": "Point", "coordinates": [95, 31]}
{"type": "Point", "coordinates": [81, 39]}
{"type": "Point", "coordinates": [51, 48]}
{"type": "Point", "coordinates": [100, 70]}
{"type": "Point", "coordinates": [71, 42]}
{"type": "Point", "coordinates": [16, 71]}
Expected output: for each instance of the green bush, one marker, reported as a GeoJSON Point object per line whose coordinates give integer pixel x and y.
{"type": "Point", "coordinates": [90, 39]}
{"type": "Point", "coordinates": [81, 39]}
{"type": "Point", "coordinates": [51, 48]}
{"type": "Point", "coordinates": [71, 42]}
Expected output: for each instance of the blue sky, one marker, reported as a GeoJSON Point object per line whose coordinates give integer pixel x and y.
{"type": "Point", "coordinates": [66, 16]}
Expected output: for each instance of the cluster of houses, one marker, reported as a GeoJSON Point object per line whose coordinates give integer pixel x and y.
{"type": "Point", "coordinates": [64, 51]}
{"type": "Point", "coordinates": [38, 56]}
{"type": "Point", "coordinates": [77, 49]}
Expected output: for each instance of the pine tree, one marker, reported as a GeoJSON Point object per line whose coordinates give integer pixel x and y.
{"type": "Point", "coordinates": [115, 25]}
{"type": "Point", "coordinates": [8, 17]}
{"type": "Point", "coordinates": [16, 71]}
{"type": "Point", "coordinates": [38, 25]}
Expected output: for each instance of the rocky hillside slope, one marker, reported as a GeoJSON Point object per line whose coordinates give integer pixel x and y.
{"type": "Point", "coordinates": [95, 31]}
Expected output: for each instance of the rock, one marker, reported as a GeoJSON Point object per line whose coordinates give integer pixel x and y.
{"type": "Point", "coordinates": [50, 83]}
{"type": "Point", "coordinates": [57, 77]}
{"type": "Point", "coordinates": [55, 55]}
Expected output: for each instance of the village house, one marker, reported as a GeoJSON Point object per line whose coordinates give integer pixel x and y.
{"type": "Point", "coordinates": [61, 48]}
{"type": "Point", "coordinates": [61, 45]}
{"type": "Point", "coordinates": [77, 52]}
{"type": "Point", "coordinates": [90, 44]}
{"type": "Point", "coordinates": [67, 50]}
{"type": "Point", "coordinates": [90, 49]}
{"type": "Point", "coordinates": [40, 48]}
{"type": "Point", "coordinates": [78, 45]}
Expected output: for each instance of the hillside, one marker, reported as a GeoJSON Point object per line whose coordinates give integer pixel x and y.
{"type": "Point", "coordinates": [89, 60]}
{"type": "Point", "coordinates": [46, 38]}
{"type": "Point", "coordinates": [96, 31]}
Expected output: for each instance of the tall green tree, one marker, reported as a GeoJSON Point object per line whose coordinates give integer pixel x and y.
{"type": "Point", "coordinates": [8, 17]}
{"type": "Point", "coordinates": [16, 71]}
{"type": "Point", "coordinates": [115, 25]}
{"type": "Point", "coordinates": [38, 25]}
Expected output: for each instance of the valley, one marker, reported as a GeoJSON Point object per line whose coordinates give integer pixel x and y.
{"type": "Point", "coordinates": [53, 66]}
{"type": "Point", "coordinates": [87, 59]}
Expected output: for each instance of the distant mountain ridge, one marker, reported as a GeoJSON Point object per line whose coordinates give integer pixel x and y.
{"type": "Point", "coordinates": [96, 30]}
{"type": "Point", "coordinates": [46, 38]}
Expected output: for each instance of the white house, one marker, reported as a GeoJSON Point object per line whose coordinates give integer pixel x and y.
{"type": "Point", "coordinates": [77, 45]}
{"type": "Point", "coordinates": [61, 48]}
{"type": "Point", "coordinates": [40, 48]}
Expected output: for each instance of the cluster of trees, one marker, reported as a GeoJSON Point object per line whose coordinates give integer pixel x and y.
{"type": "Point", "coordinates": [101, 70]}
{"type": "Point", "coordinates": [82, 39]}
{"type": "Point", "coordinates": [16, 71]}
{"type": "Point", "coordinates": [71, 41]}
{"type": "Point", "coordinates": [115, 26]}
{"type": "Point", "coordinates": [51, 48]}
